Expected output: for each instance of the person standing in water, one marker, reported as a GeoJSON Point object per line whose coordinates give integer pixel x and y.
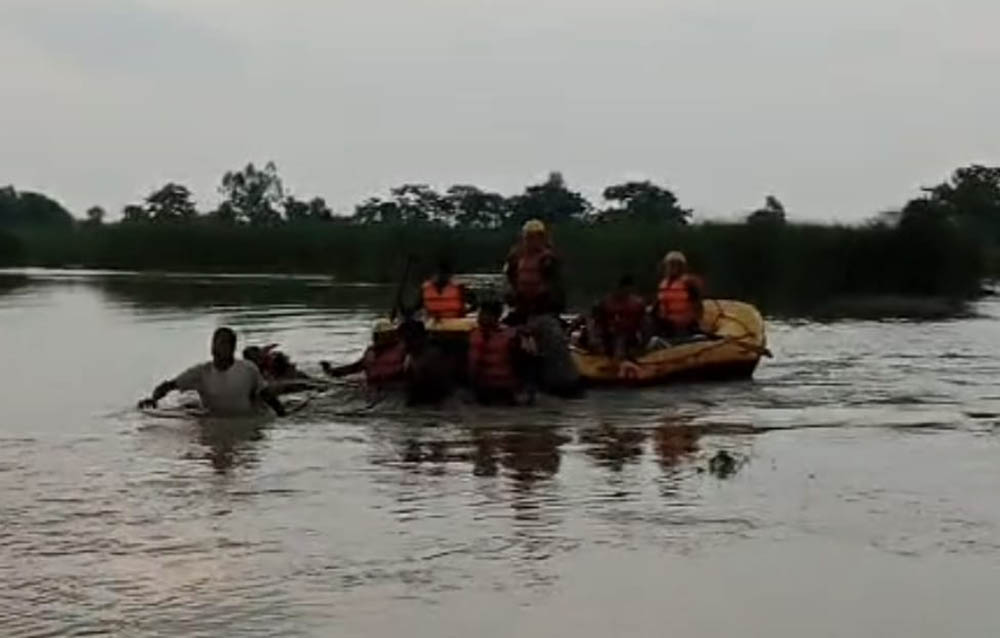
{"type": "Point", "coordinates": [227, 386]}
{"type": "Point", "coordinates": [496, 355]}
{"type": "Point", "coordinates": [532, 270]}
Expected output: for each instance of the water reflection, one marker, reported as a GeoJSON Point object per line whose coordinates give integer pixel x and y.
{"type": "Point", "coordinates": [230, 443]}
{"type": "Point", "coordinates": [9, 282]}
{"type": "Point", "coordinates": [145, 294]}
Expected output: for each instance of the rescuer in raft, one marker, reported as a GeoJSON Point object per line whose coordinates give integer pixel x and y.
{"type": "Point", "coordinates": [497, 353]}
{"type": "Point", "coordinates": [678, 308]}
{"type": "Point", "coordinates": [442, 297]}
{"type": "Point", "coordinates": [532, 270]}
{"type": "Point", "coordinates": [382, 362]}
{"type": "Point", "coordinates": [617, 325]}
{"type": "Point", "coordinates": [227, 387]}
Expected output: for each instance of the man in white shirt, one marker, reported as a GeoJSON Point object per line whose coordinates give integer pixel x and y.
{"type": "Point", "coordinates": [227, 386]}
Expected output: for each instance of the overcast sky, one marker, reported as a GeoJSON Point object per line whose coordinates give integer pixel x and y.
{"type": "Point", "coordinates": [841, 108]}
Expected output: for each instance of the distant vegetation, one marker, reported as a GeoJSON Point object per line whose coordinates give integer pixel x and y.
{"type": "Point", "coordinates": [940, 244]}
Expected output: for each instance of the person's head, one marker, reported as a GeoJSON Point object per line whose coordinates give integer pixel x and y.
{"type": "Point", "coordinates": [253, 353]}
{"type": "Point", "coordinates": [675, 264]}
{"type": "Point", "coordinates": [626, 286]}
{"type": "Point", "coordinates": [384, 333]}
{"type": "Point", "coordinates": [444, 271]}
{"type": "Point", "coordinates": [223, 346]}
{"type": "Point", "coordinates": [534, 234]}
{"type": "Point", "coordinates": [489, 314]}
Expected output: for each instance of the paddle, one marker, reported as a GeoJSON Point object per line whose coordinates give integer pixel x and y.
{"type": "Point", "coordinates": [398, 304]}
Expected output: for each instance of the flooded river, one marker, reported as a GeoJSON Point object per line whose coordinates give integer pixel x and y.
{"type": "Point", "coordinates": [865, 499]}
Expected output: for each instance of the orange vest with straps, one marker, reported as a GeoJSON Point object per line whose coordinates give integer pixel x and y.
{"type": "Point", "coordinates": [675, 302]}
{"type": "Point", "coordinates": [490, 362]}
{"type": "Point", "coordinates": [530, 279]}
{"type": "Point", "coordinates": [445, 303]}
{"type": "Point", "coordinates": [386, 365]}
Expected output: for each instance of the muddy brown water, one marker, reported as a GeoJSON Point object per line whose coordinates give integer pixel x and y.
{"type": "Point", "coordinates": [865, 500]}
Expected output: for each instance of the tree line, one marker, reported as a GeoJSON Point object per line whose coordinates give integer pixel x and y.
{"type": "Point", "coordinates": [941, 243]}
{"type": "Point", "coordinates": [254, 196]}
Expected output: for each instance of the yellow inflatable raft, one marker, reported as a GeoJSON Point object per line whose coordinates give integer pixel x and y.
{"type": "Point", "coordinates": [734, 347]}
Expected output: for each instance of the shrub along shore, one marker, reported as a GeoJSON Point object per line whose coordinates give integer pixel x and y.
{"type": "Point", "coordinates": [937, 248]}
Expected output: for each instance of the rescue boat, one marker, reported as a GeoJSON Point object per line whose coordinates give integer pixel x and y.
{"type": "Point", "coordinates": [731, 348]}
{"type": "Point", "coordinates": [733, 343]}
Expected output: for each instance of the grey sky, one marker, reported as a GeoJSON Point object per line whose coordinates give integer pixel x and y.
{"type": "Point", "coordinates": [839, 107]}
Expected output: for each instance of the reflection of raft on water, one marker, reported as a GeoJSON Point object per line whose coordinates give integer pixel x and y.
{"type": "Point", "coordinates": [733, 350]}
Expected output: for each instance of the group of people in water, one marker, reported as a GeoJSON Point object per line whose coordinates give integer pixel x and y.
{"type": "Point", "coordinates": [504, 359]}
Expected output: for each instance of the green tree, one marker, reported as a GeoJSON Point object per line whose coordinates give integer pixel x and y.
{"type": "Point", "coordinates": [772, 213]}
{"type": "Point", "coordinates": [254, 195]}
{"type": "Point", "coordinates": [409, 204]}
{"type": "Point", "coordinates": [550, 201]}
{"type": "Point", "coordinates": [95, 216]}
{"type": "Point", "coordinates": [315, 210]}
{"type": "Point", "coordinates": [135, 214]}
{"type": "Point", "coordinates": [644, 201]}
{"type": "Point", "coordinates": [971, 196]}
{"type": "Point", "coordinates": [31, 209]}
{"type": "Point", "coordinates": [171, 203]}
{"type": "Point", "coordinates": [475, 208]}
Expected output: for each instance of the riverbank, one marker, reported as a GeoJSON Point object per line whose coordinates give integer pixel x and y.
{"type": "Point", "coordinates": [787, 269]}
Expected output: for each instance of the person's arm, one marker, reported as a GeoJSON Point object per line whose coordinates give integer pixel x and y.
{"type": "Point", "coordinates": [159, 392]}
{"type": "Point", "coordinates": [344, 370]}
{"type": "Point", "coordinates": [270, 399]}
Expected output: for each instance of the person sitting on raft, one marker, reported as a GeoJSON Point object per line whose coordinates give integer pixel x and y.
{"type": "Point", "coordinates": [442, 297]}
{"type": "Point", "coordinates": [496, 354]}
{"type": "Point", "coordinates": [227, 386]}
{"type": "Point", "coordinates": [532, 271]}
{"type": "Point", "coordinates": [617, 323]}
{"type": "Point", "coordinates": [382, 362]}
{"type": "Point", "coordinates": [678, 309]}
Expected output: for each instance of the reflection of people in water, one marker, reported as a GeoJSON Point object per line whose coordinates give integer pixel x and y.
{"type": "Point", "coordinates": [612, 447]}
{"type": "Point", "coordinates": [227, 386]}
{"type": "Point", "coordinates": [674, 441]}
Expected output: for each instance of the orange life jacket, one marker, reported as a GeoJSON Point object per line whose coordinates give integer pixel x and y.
{"type": "Point", "coordinates": [624, 316]}
{"type": "Point", "coordinates": [385, 365]}
{"type": "Point", "coordinates": [530, 279]}
{"type": "Point", "coordinates": [675, 302]}
{"type": "Point", "coordinates": [445, 303]}
{"type": "Point", "coordinates": [490, 362]}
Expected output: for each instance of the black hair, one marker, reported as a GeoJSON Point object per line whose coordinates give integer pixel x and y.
{"type": "Point", "coordinates": [445, 265]}
{"type": "Point", "coordinates": [227, 334]}
{"type": "Point", "coordinates": [251, 352]}
{"type": "Point", "coordinates": [626, 281]}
